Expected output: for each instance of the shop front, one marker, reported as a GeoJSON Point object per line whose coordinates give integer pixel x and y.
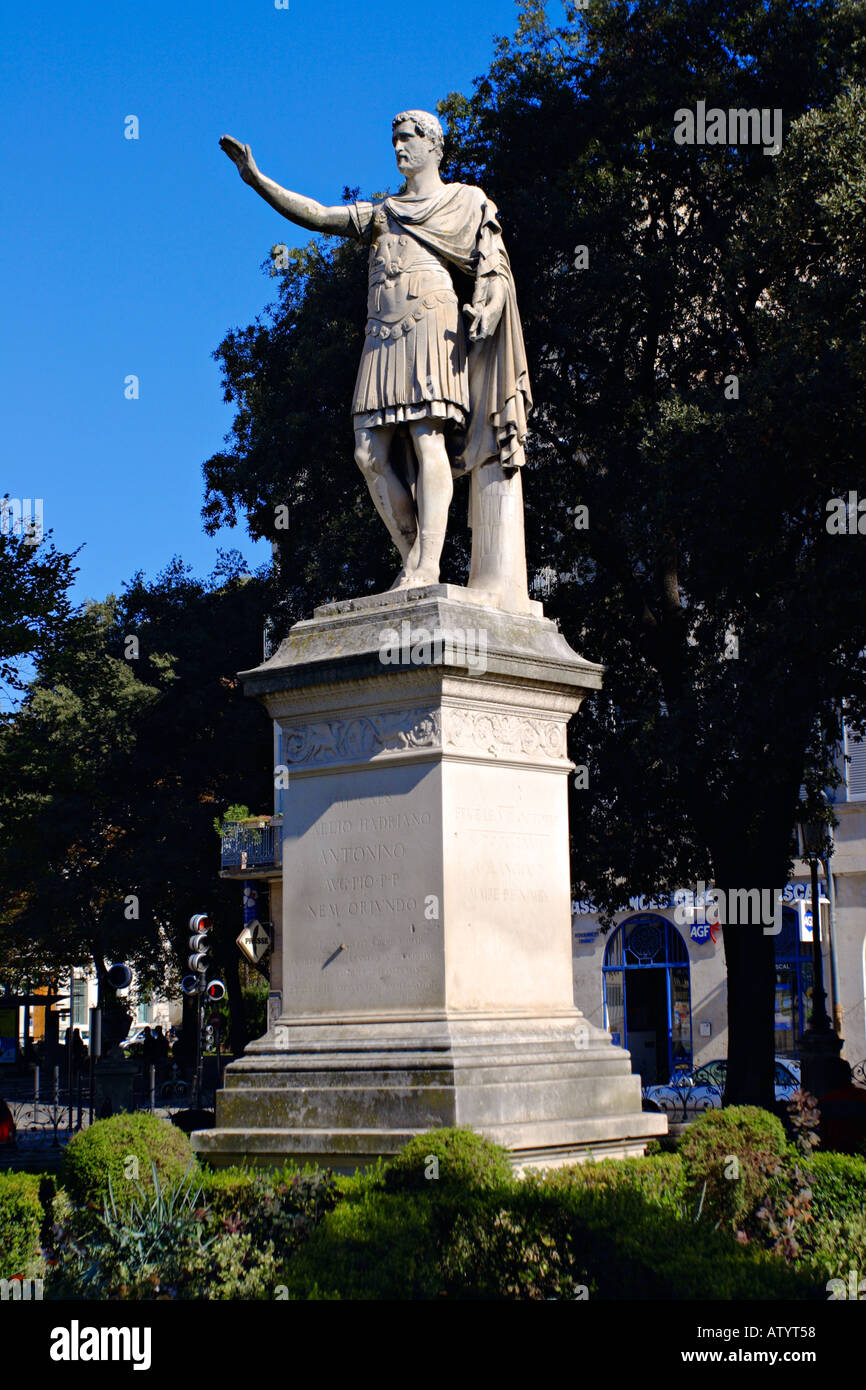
{"type": "Point", "coordinates": [647, 996]}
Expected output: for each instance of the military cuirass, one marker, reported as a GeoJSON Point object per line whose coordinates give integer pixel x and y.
{"type": "Point", "coordinates": [403, 273]}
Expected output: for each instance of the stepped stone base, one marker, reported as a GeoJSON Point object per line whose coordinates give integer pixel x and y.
{"type": "Point", "coordinates": [552, 1091]}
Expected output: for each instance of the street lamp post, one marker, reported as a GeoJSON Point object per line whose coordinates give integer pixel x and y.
{"type": "Point", "coordinates": [822, 1068]}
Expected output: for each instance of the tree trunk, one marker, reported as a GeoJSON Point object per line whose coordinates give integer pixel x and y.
{"type": "Point", "coordinates": [751, 967]}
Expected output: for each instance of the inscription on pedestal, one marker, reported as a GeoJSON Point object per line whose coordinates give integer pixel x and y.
{"type": "Point", "coordinates": [507, 896]}
{"type": "Point", "coordinates": [357, 876]}
{"type": "Point", "coordinates": [510, 844]}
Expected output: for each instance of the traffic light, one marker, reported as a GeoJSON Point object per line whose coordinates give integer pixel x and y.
{"type": "Point", "coordinates": [199, 956]}
{"type": "Point", "coordinates": [119, 975]}
{"type": "Point", "coordinates": [190, 984]}
{"type": "Point", "coordinates": [215, 991]}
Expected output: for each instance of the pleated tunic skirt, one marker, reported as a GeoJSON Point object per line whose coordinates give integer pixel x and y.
{"type": "Point", "coordinates": [413, 364]}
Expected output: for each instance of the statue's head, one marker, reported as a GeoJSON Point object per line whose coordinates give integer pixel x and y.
{"type": "Point", "coordinates": [417, 139]}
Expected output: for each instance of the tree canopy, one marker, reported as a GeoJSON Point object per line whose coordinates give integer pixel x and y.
{"type": "Point", "coordinates": [133, 735]}
{"type": "Point", "coordinates": [34, 581]}
{"type": "Point", "coordinates": [695, 330]}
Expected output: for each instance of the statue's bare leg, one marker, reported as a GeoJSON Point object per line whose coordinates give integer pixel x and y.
{"type": "Point", "coordinates": [434, 491]}
{"type": "Point", "coordinates": [391, 497]}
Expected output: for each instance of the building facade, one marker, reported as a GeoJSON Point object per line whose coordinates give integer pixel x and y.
{"type": "Point", "coordinates": [657, 979]}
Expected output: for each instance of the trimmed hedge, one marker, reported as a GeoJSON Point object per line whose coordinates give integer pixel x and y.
{"type": "Point", "coordinates": [725, 1155]}
{"type": "Point", "coordinates": [638, 1249]}
{"type": "Point", "coordinates": [604, 1231]}
{"type": "Point", "coordinates": [449, 1160]}
{"type": "Point", "coordinates": [21, 1220]}
{"type": "Point", "coordinates": [535, 1242]}
{"type": "Point", "coordinates": [607, 1230]}
{"type": "Point", "coordinates": [834, 1241]}
{"type": "Point", "coordinates": [280, 1205]}
{"type": "Point", "coordinates": [659, 1179]}
{"type": "Point", "coordinates": [103, 1152]}
{"type": "Point", "coordinates": [838, 1183]}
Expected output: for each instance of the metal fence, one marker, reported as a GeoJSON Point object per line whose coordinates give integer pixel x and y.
{"type": "Point", "coordinates": [680, 1103]}
{"type": "Point", "coordinates": [251, 846]}
{"type": "Point", "coordinates": [48, 1107]}
{"type": "Point", "coordinates": [684, 1103]}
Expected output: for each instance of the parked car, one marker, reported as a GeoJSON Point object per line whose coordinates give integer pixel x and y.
{"type": "Point", "coordinates": [690, 1093]}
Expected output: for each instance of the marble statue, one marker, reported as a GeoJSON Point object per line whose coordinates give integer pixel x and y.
{"type": "Point", "coordinates": [434, 397]}
{"type": "Point", "coordinates": [422, 971]}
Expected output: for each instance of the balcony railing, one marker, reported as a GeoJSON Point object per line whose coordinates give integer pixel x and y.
{"type": "Point", "coordinates": [252, 844]}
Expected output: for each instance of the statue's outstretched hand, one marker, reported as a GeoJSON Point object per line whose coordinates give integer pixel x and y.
{"type": "Point", "coordinates": [242, 156]}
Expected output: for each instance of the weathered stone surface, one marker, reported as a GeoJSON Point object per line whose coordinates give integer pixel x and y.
{"type": "Point", "coordinates": [426, 953]}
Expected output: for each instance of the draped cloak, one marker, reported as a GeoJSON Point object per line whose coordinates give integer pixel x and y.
{"type": "Point", "coordinates": [460, 224]}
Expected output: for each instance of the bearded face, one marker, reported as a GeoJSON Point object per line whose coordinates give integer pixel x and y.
{"type": "Point", "coordinates": [412, 150]}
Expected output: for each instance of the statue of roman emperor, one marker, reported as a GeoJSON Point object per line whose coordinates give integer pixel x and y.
{"type": "Point", "coordinates": [434, 397]}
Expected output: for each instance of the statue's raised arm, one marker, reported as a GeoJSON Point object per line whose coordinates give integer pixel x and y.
{"type": "Point", "coordinates": [306, 212]}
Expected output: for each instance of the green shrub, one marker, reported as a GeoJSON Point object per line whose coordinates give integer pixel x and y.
{"type": "Point", "coordinates": [379, 1246]}
{"type": "Point", "coordinates": [448, 1160]}
{"type": "Point", "coordinates": [517, 1245]}
{"type": "Point", "coordinates": [215, 1235]}
{"type": "Point", "coordinates": [835, 1240]}
{"type": "Point", "coordinates": [605, 1230]}
{"type": "Point", "coordinates": [222, 1186]}
{"type": "Point", "coordinates": [282, 1207]}
{"type": "Point", "coordinates": [532, 1242]}
{"type": "Point", "coordinates": [457, 1242]}
{"type": "Point", "coordinates": [157, 1245]}
{"type": "Point", "coordinates": [833, 1245]}
{"type": "Point", "coordinates": [838, 1183]}
{"type": "Point", "coordinates": [21, 1220]}
{"type": "Point", "coordinates": [637, 1248]}
{"type": "Point", "coordinates": [101, 1155]}
{"type": "Point", "coordinates": [727, 1156]}
{"type": "Point", "coordinates": [658, 1177]}
{"type": "Point", "coordinates": [369, 1179]}
{"type": "Point", "coordinates": [413, 1245]}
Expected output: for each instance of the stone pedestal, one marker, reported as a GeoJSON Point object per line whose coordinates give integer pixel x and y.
{"type": "Point", "coordinates": [426, 961]}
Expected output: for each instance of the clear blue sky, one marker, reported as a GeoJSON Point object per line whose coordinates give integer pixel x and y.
{"type": "Point", "coordinates": [136, 256]}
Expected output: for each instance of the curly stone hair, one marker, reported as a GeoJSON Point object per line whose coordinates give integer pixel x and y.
{"type": "Point", "coordinates": [424, 124]}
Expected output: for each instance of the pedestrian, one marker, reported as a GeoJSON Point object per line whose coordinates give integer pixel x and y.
{"type": "Point", "coordinates": [147, 1052]}
{"type": "Point", "coordinates": [160, 1050]}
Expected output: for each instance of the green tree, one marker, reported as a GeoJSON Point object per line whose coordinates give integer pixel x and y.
{"type": "Point", "coordinates": [34, 602]}
{"type": "Point", "coordinates": [203, 749]}
{"type": "Point", "coordinates": [61, 758]}
{"type": "Point", "coordinates": [702, 395]}
{"type": "Point", "coordinates": [699, 386]}
{"type": "Point", "coordinates": [132, 735]}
